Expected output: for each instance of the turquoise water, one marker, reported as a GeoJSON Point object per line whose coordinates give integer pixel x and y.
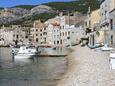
{"type": "Point", "coordinates": [39, 71]}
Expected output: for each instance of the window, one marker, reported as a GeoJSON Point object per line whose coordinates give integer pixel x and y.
{"type": "Point", "coordinates": [111, 39]}
{"type": "Point", "coordinates": [57, 36]}
{"type": "Point", "coordinates": [68, 33]}
{"type": "Point", "coordinates": [60, 34]}
{"type": "Point", "coordinates": [57, 42]}
{"type": "Point", "coordinates": [68, 37]}
{"type": "Point", "coordinates": [36, 39]}
{"type": "Point", "coordinates": [36, 29]}
{"type": "Point", "coordinates": [60, 41]}
{"type": "Point", "coordinates": [89, 23]}
{"type": "Point", "coordinates": [44, 33]}
{"type": "Point", "coordinates": [111, 24]}
{"type": "Point", "coordinates": [17, 36]}
{"type": "Point", "coordinates": [54, 42]}
{"type": "Point", "coordinates": [26, 36]}
{"type": "Point", "coordinates": [63, 27]}
{"type": "Point", "coordinates": [36, 34]}
{"type": "Point", "coordinates": [63, 33]}
{"type": "Point", "coordinates": [44, 28]}
{"type": "Point", "coordinates": [14, 35]}
{"type": "Point", "coordinates": [85, 23]}
{"type": "Point", "coordinates": [102, 14]}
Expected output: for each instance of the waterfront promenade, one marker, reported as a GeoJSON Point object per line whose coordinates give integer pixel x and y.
{"type": "Point", "coordinates": [88, 68]}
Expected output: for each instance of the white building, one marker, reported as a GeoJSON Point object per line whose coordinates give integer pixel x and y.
{"type": "Point", "coordinates": [61, 33]}
{"type": "Point", "coordinates": [53, 31]}
{"type": "Point", "coordinates": [106, 7]}
{"type": "Point", "coordinates": [56, 31]}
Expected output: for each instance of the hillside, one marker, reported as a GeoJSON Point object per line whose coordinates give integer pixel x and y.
{"type": "Point", "coordinates": [29, 7]}
{"type": "Point", "coordinates": [26, 14]}
{"type": "Point", "coordinates": [80, 6]}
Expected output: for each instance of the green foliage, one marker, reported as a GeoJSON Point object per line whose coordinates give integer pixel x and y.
{"type": "Point", "coordinates": [43, 16]}
{"type": "Point", "coordinates": [72, 6]}
{"type": "Point", "coordinates": [24, 6]}
{"type": "Point", "coordinates": [97, 33]}
{"type": "Point", "coordinates": [80, 6]}
{"type": "Point", "coordinates": [1, 8]}
{"type": "Point", "coordinates": [28, 21]}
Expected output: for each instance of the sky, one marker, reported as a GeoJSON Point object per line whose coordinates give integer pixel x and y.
{"type": "Point", "coordinates": [10, 3]}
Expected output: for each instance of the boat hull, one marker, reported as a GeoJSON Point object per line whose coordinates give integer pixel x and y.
{"type": "Point", "coordinates": [21, 56]}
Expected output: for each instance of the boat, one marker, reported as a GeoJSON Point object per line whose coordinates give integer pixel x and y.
{"type": "Point", "coordinates": [14, 49]}
{"type": "Point", "coordinates": [106, 48]}
{"type": "Point", "coordinates": [26, 52]}
{"type": "Point", "coordinates": [112, 54]}
{"type": "Point", "coordinates": [112, 63]}
{"type": "Point", "coordinates": [112, 59]}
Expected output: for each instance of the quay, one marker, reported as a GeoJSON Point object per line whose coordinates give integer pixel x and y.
{"type": "Point", "coordinates": [51, 55]}
{"type": "Point", "coordinates": [88, 68]}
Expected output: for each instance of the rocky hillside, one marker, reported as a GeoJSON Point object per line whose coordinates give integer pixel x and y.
{"type": "Point", "coordinates": [22, 13]}
{"type": "Point", "coordinates": [26, 14]}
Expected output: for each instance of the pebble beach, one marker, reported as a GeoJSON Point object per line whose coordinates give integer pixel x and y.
{"type": "Point", "coordinates": [87, 67]}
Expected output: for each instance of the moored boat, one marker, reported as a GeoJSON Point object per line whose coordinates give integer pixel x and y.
{"type": "Point", "coordinates": [26, 52]}
{"type": "Point", "coordinates": [106, 48]}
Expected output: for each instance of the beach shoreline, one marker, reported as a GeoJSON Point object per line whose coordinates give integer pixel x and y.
{"type": "Point", "coordinates": [87, 67]}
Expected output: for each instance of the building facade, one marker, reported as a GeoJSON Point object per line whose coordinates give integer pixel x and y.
{"type": "Point", "coordinates": [107, 7]}
{"type": "Point", "coordinates": [92, 27]}
{"type": "Point", "coordinates": [56, 31]}
{"type": "Point", "coordinates": [15, 34]}
{"type": "Point", "coordinates": [38, 33]}
{"type": "Point", "coordinates": [6, 36]}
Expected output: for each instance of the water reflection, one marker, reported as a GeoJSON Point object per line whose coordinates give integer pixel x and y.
{"type": "Point", "coordinates": [39, 71]}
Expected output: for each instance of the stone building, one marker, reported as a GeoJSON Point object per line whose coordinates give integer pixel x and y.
{"type": "Point", "coordinates": [92, 27]}
{"type": "Point", "coordinates": [6, 36]}
{"type": "Point", "coordinates": [15, 34]}
{"type": "Point", "coordinates": [38, 32]}
{"type": "Point", "coordinates": [59, 31]}
{"type": "Point", "coordinates": [107, 7]}
{"type": "Point", "coordinates": [20, 35]}
{"type": "Point", "coordinates": [112, 23]}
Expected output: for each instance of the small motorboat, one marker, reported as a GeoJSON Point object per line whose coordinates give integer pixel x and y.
{"type": "Point", "coordinates": [26, 52]}
{"type": "Point", "coordinates": [112, 55]}
{"type": "Point", "coordinates": [106, 48]}
{"type": "Point", "coordinates": [112, 59]}
{"type": "Point", "coordinates": [112, 63]}
{"type": "Point", "coordinates": [14, 49]}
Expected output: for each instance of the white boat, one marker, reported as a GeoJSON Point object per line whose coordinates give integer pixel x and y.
{"type": "Point", "coordinates": [112, 55]}
{"type": "Point", "coordinates": [25, 52]}
{"type": "Point", "coordinates": [112, 63]}
{"type": "Point", "coordinates": [106, 48]}
{"type": "Point", "coordinates": [14, 49]}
